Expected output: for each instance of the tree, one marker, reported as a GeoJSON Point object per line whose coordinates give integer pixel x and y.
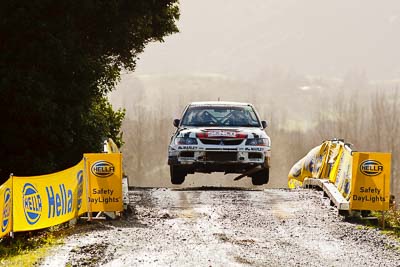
{"type": "Point", "coordinates": [58, 60]}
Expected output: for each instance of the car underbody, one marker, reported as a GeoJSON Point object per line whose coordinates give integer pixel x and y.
{"type": "Point", "coordinates": [219, 161]}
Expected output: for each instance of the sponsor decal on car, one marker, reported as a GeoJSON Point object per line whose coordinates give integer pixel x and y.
{"type": "Point", "coordinates": [219, 133]}
{"type": "Point", "coordinates": [188, 147]}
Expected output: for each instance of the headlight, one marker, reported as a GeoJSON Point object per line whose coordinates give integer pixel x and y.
{"type": "Point", "coordinates": [185, 141]}
{"type": "Point", "coordinates": [257, 142]}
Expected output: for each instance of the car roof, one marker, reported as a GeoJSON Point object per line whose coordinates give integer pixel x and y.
{"type": "Point", "coordinates": [219, 103]}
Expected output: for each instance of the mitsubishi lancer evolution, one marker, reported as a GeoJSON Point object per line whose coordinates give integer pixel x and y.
{"type": "Point", "coordinates": [219, 136]}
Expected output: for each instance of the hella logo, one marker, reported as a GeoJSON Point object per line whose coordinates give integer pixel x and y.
{"type": "Point", "coordinates": [79, 177]}
{"type": "Point", "coordinates": [6, 210]}
{"type": "Point", "coordinates": [371, 167]}
{"type": "Point", "coordinates": [103, 169]}
{"type": "Point", "coordinates": [32, 202]}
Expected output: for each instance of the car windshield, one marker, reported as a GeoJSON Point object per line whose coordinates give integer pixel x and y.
{"type": "Point", "coordinates": [221, 116]}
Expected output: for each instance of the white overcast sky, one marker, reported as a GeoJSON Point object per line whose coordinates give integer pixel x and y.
{"type": "Point", "coordinates": [239, 38]}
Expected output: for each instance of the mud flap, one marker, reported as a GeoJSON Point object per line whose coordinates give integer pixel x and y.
{"type": "Point", "coordinates": [247, 173]}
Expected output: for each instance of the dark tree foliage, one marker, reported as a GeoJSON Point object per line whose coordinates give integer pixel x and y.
{"type": "Point", "coordinates": [58, 60]}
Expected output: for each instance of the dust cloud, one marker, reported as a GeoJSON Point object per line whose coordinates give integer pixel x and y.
{"type": "Point", "coordinates": [315, 70]}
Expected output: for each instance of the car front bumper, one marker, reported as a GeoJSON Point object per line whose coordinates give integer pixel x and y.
{"type": "Point", "coordinates": [215, 156]}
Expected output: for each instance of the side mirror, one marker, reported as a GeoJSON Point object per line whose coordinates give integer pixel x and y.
{"type": "Point", "coordinates": [176, 122]}
{"type": "Point", "coordinates": [264, 124]}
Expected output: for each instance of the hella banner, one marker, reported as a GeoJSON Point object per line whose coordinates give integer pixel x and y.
{"type": "Point", "coordinates": [48, 200]}
{"type": "Point", "coordinates": [104, 172]}
{"type": "Point", "coordinates": [6, 208]}
{"type": "Point", "coordinates": [312, 165]}
{"type": "Point", "coordinates": [343, 173]}
{"type": "Point", "coordinates": [371, 181]}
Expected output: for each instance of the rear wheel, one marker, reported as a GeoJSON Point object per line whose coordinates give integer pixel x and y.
{"type": "Point", "coordinates": [177, 174]}
{"type": "Point", "coordinates": [260, 177]}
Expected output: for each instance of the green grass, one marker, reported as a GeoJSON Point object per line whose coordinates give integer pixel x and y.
{"type": "Point", "coordinates": [28, 248]}
{"type": "Point", "coordinates": [392, 221]}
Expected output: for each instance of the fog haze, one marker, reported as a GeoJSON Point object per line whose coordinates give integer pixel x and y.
{"type": "Point", "coordinates": [313, 37]}
{"type": "Point", "coordinates": [314, 69]}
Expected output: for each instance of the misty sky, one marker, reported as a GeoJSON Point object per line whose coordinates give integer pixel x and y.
{"type": "Point", "coordinates": [241, 38]}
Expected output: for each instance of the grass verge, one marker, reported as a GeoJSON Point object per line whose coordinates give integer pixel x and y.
{"type": "Point", "coordinates": [392, 221]}
{"type": "Point", "coordinates": [29, 248]}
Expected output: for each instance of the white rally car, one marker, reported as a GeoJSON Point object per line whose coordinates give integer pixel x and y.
{"type": "Point", "coordinates": [220, 137]}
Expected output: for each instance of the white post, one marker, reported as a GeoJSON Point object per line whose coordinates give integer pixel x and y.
{"type": "Point", "coordinates": [12, 205]}
{"type": "Point", "coordinates": [86, 177]}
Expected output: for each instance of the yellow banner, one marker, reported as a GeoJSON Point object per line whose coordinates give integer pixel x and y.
{"type": "Point", "coordinates": [344, 173]}
{"type": "Point", "coordinates": [312, 165]}
{"type": "Point", "coordinates": [321, 165]}
{"type": "Point", "coordinates": [335, 166]}
{"type": "Point", "coordinates": [335, 152]}
{"type": "Point", "coordinates": [305, 167]}
{"type": "Point", "coordinates": [6, 207]}
{"type": "Point", "coordinates": [370, 188]}
{"type": "Point", "coordinates": [105, 181]}
{"type": "Point", "coordinates": [47, 200]}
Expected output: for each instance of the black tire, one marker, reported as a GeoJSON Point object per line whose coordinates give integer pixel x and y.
{"type": "Point", "coordinates": [260, 177]}
{"type": "Point", "coordinates": [177, 174]}
{"type": "Point", "coordinates": [365, 213]}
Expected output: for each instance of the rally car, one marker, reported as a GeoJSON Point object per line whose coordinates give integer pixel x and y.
{"type": "Point", "coordinates": [220, 137]}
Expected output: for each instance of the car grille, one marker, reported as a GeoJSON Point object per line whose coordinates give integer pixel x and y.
{"type": "Point", "coordinates": [223, 142]}
{"type": "Point", "coordinates": [255, 155]}
{"type": "Point", "coordinates": [221, 156]}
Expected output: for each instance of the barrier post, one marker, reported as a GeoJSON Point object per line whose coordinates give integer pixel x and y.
{"type": "Point", "coordinates": [384, 193]}
{"type": "Point", "coordinates": [12, 206]}
{"type": "Point", "coordinates": [89, 211]}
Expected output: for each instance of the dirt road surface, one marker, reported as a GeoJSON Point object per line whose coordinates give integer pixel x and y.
{"type": "Point", "coordinates": [271, 227]}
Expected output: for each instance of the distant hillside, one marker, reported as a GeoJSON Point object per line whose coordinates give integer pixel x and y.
{"type": "Point", "coordinates": [291, 98]}
{"type": "Point", "coordinates": [285, 99]}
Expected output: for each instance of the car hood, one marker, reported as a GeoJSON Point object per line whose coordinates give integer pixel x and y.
{"type": "Point", "coordinates": [222, 132]}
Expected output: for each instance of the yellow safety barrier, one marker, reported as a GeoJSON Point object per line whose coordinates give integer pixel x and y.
{"type": "Point", "coordinates": [6, 207]}
{"type": "Point", "coordinates": [47, 200]}
{"type": "Point", "coordinates": [343, 174]}
{"type": "Point", "coordinates": [105, 182]}
{"type": "Point", "coordinates": [371, 187]}
{"type": "Point", "coordinates": [37, 202]}
{"type": "Point", "coordinates": [312, 165]}
{"type": "Point", "coordinates": [362, 178]}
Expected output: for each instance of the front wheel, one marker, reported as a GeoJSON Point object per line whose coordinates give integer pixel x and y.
{"type": "Point", "coordinates": [261, 177]}
{"type": "Point", "coordinates": [177, 174]}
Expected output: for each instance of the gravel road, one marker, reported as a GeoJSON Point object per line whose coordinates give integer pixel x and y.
{"type": "Point", "coordinates": [226, 227]}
